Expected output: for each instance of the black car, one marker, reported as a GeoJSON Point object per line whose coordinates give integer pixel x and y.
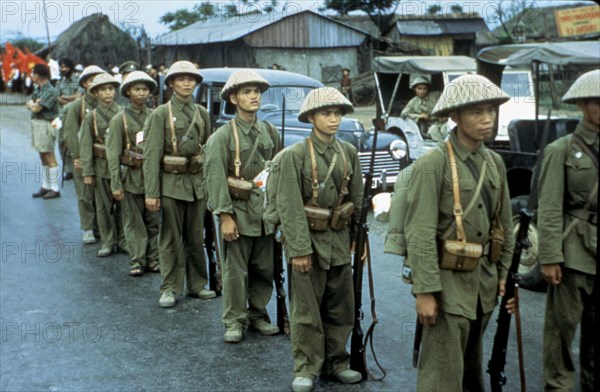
{"type": "Point", "coordinates": [390, 151]}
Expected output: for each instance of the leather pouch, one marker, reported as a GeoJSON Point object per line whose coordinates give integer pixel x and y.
{"type": "Point", "coordinates": [99, 150]}
{"type": "Point", "coordinates": [496, 243]}
{"type": "Point", "coordinates": [239, 189]}
{"type": "Point", "coordinates": [460, 256]}
{"type": "Point", "coordinates": [195, 164]}
{"type": "Point", "coordinates": [317, 217]}
{"type": "Point", "coordinates": [342, 215]}
{"type": "Point", "coordinates": [133, 159]}
{"type": "Point", "coordinates": [174, 164]}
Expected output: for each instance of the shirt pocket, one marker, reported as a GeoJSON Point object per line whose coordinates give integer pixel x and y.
{"type": "Point", "coordinates": [579, 172]}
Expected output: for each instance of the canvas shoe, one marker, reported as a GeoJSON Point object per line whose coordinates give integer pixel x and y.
{"type": "Point", "coordinates": [203, 294]}
{"type": "Point", "coordinates": [167, 299]}
{"type": "Point", "coordinates": [302, 384]}
{"type": "Point", "coordinates": [88, 237]}
{"type": "Point", "coordinates": [264, 327]}
{"type": "Point", "coordinates": [233, 334]}
{"type": "Point", "coordinates": [349, 376]}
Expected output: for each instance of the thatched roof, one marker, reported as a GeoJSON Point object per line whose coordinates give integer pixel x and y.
{"type": "Point", "coordinates": [94, 40]}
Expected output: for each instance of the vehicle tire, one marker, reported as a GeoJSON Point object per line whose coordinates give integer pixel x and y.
{"type": "Point", "coordinates": [530, 270]}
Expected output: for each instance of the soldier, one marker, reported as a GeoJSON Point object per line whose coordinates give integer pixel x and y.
{"type": "Point", "coordinates": [44, 108]}
{"type": "Point", "coordinates": [419, 109]}
{"type": "Point", "coordinates": [567, 221]}
{"type": "Point", "coordinates": [73, 116]}
{"type": "Point", "coordinates": [455, 295]}
{"type": "Point", "coordinates": [174, 138]}
{"type": "Point", "coordinates": [68, 91]}
{"type": "Point", "coordinates": [125, 69]}
{"type": "Point", "coordinates": [322, 178]}
{"type": "Point", "coordinates": [247, 269]}
{"type": "Point", "coordinates": [124, 144]}
{"type": "Point", "coordinates": [93, 160]}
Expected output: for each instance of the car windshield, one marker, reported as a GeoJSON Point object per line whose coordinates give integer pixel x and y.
{"type": "Point", "coordinates": [294, 96]}
{"type": "Point", "coordinates": [516, 84]}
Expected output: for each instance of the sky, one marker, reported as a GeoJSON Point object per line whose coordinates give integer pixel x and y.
{"type": "Point", "coordinates": [27, 17]}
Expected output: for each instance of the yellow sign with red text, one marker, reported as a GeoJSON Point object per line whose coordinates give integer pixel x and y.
{"type": "Point", "coordinates": [578, 21]}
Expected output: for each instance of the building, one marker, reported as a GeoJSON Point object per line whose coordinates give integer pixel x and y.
{"type": "Point", "coordinates": [303, 42]}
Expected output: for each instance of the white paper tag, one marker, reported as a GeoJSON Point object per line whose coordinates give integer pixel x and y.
{"type": "Point", "coordinates": [261, 180]}
{"type": "Point", "coordinates": [139, 137]}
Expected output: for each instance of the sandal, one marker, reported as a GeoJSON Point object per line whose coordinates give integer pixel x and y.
{"type": "Point", "coordinates": [153, 266]}
{"type": "Point", "coordinates": [136, 270]}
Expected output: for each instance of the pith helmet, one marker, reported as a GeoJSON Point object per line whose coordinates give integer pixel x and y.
{"type": "Point", "coordinates": [183, 68]}
{"type": "Point", "coordinates": [468, 90]}
{"type": "Point", "coordinates": [102, 79]}
{"type": "Point", "coordinates": [137, 77]}
{"type": "Point", "coordinates": [420, 79]}
{"type": "Point", "coordinates": [129, 66]}
{"type": "Point", "coordinates": [586, 86]}
{"type": "Point", "coordinates": [321, 98]}
{"type": "Point", "coordinates": [243, 77]}
{"type": "Point", "coordinates": [90, 70]}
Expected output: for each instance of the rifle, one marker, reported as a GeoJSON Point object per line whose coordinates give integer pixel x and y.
{"type": "Point", "coordinates": [498, 358]}
{"type": "Point", "coordinates": [358, 341]}
{"type": "Point", "coordinates": [283, 320]}
{"type": "Point", "coordinates": [417, 342]}
{"type": "Point", "coordinates": [211, 245]}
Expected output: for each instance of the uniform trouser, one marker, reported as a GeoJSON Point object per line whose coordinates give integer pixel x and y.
{"type": "Point", "coordinates": [141, 229]}
{"type": "Point", "coordinates": [452, 353]}
{"type": "Point", "coordinates": [247, 277]}
{"type": "Point", "coordinates": [321, 319]}
{"type": "Point", "coordinates": [181, 248]}
{"type": "Point", "coordinates": [568, 304]}
{"type": "Point", "coordinates": [85, 203]}
{"type": "Point", "coordinates": [107, 217]}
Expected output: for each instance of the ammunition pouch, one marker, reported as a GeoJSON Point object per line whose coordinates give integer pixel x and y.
{"type": "Point", "coordinates": [342, 215]}
{"type": "Point", "coordinates": [195, 164]}
{"type": "Point", "coordinates": [99, 150]}
{"type": "Point", "coordinates": [239, 189]}
{"type": "Point", "coordinates": [174, 164]}
{"type": "Point", "coordinates": [133, 159]}
{"type": "Point", "coordinates": [496, 243]}
{"type": "Point", "coordinates": [459, 255]}
{"type": "Point", "coordinates": [317, 217]}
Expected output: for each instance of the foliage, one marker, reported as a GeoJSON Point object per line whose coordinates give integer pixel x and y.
{"type": "Point", "coordinates": [434, 9]}
{"type": "Point", "coordinates": [381, 12]}
{"type": "Point", "coordinates": [456, 8]}
{"type": "Point", "coordinates": [514, 16]}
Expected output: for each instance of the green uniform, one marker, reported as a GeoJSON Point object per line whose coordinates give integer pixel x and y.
{"type": "Point", "coordinates": [140, 225]}
{"type": "Point", "coordinates": [109, 221]}
{"type": "Point", "coordinates": [322, 300]}
{"type": "Point", "coordinates": [72, 120]}
{"type": "Point", "coordinates": [67, 87]}
{"type": "Point", "coordinates": [247, 271]}
{"type": "Point", "coordinates": [183, 202]}
{"type": "Point", "coordinates": [416, 106]}
{"type": "Point", "coordinates": [567, 178]}
{"type": "Point", "coordinates": [465, 299]}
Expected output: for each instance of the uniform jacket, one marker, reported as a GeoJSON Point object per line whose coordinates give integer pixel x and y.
{"type": "Point", "coordinates": [121, 176]}
{"type": "Point", "coordinates": [430, 213]}
{"type": "Point", "coordinates": [67, 87]}
{"type": "Point", "coordinates": [157, 140]}
{"type": "Point", "coordinates": [567, 178]}
{"type": "Point", "coordinates": [417, 105]}
{"type": "Point", "coordinates": [72, 118]}
{"type": "Point", "coordinates": [330, 248]}
{"type": "Point", "coordinates": [46, 96]}
{"type": "Point", "coordinates": [219, 163]}
{"type": "Point", "coordinates": [91, 165]}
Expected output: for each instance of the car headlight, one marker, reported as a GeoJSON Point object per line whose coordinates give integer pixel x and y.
{"type": "Point", "coordinates": [398, 149]}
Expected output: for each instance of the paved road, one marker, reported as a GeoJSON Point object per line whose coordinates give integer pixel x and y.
{"type": "Point", "coordinates": [71, 321]}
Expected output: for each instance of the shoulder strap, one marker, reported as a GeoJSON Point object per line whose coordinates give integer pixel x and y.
{"type": "Point", "coordinates": [587, 149]}
{"type": "Point", "coordinates": [315, 177]}
{"type": "Point", "coordinates": [458, 211]}
{"type": "Point", "coordinates": [346, 179]}
{"type": "Point", "coordinates": [172, 126]}
{"type": "Point", "coordinates": [237, 162]}
{"type": "Point", "coordinates": [94, 120]}
{"type": "Point", "coordinates": [82, 114]}
{"type": "Point", "coordinates": [126, 139]}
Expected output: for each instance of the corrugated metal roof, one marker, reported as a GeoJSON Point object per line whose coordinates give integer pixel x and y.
{"type": "Point", "coordinates": [221, 30]}
{"type": "Point", "coordinates": [441, 27]}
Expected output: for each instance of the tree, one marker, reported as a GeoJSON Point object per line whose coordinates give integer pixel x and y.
{"type": "Point", "coordinates": [434, 9]}
{"type": "Point", "coordinates": [381, 12]}
{"type": "Point", "coordinates": [456, 9]}
{"type": "Point", "coordinates": [514, 16]}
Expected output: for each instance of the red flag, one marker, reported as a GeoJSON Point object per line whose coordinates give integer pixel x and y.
{"type": "Point", "coordinates": [21, 61]}
{"type": "Point", "coordinates": [32, 60]}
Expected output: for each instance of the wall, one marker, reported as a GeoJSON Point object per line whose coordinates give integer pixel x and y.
{"type": "Point", "coordinates": [309, 61]}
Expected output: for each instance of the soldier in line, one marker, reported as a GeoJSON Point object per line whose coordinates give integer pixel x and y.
{"type": "Point", "coordinates": [125, 140]}
{"type": "Point", "coordinates": [68, 91]}
{"type": "Point", "coordinates": [248, 267]}
{"type": "Point", "coordinates": [174, 138]}
{"type": "Point", "coordinates": [568, 221]}
{"type": "Point", "coordinates": [125, 69]}
{"type": "Point", "coordinates": [73, 116]}
{"type": "Point", "coordinates": [419, 109]}
{"type": "Point", "coordinates": [94, 165]}
{"type": "Point", "coordinates": [319, 176]}
{"type": "Point", "coordinates": [452, 298]}
{"type": "Point", "coordinates": [44, 108]}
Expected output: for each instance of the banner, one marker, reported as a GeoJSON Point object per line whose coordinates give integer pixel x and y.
{"type": "Point", "coordinates": [578, 21]}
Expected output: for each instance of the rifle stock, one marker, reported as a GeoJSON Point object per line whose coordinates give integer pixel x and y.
{"type": "Point", "coordinates": [211, 245]}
